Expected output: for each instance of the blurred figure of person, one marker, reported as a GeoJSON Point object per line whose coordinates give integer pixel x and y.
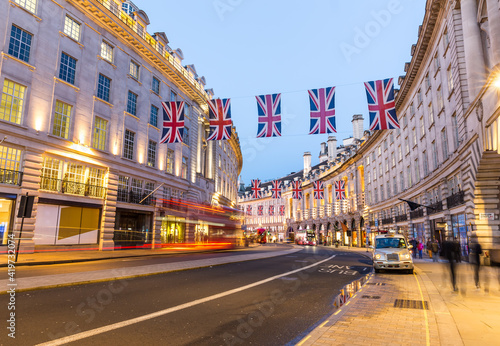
{"type": "Point", "coordinates": [428, 246]}
{"type": "Point", "coordinates": [435, 250]}
{"type": "Point", "coordinates": [420, 247]}
{"type": "Point", "coordinates": [414, 244]}
{"type": "Point", "coordinates": [476, 261]}
{"type": "Point", "coordinates": [449, 254]}
{"type": "Point", "coordinates": [457, 250]}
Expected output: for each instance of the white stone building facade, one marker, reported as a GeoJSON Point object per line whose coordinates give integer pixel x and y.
{"type": "Point", "coordinates": [81, 122]}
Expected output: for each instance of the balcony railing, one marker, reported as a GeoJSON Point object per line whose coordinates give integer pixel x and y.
{"type": "Point", "coordinates": [400, 218]}
{"type": "Point", "coordinates": [72, 187]}
{"type": "Point", "coordinates": [10, 177]}
{"type": "Point", "coordinates": [387, 221]}
{"type": "Point", "coordinates": [435, 208]}
{"type": "Point", "coordinates": [132, 197]}
{"type": "Point", "coordinates": [456, 199]}
{"type": "Point", "coordinates": [415, 214]}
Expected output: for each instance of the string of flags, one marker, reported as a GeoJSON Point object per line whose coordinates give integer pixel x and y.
{"type": "Point", "coordinates": [297, 193]}
{"type": "Point", "coordinates": [381, 108]}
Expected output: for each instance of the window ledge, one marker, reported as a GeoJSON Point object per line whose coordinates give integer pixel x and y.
{"type": "Point", "coordinates": [63, 34]}
{"type": "Point", "coordinates": [451, 93]}
{"type": "Point", "coordinates": [24, 127]}
{"type": "Point", "coordinates": [13, 4]}
{"type": "Point", "coordinates": [154, 127]}
{"type": "Point", "coordinates": [134, 79]}
{"type": "Point", "coordinates": [154, 93]}
{"type": "Point", "coordinates": [7, 56]}
{"type": "Point", "coordinates": [105, 102]}
{"type": "Point", "coordinates": [58, 80]}
{"type": "Point", "coordinates": [131, 115]}
{"type": "Point", "coordinates": [107, 61]}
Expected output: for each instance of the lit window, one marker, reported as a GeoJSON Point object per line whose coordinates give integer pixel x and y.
{"type": "Point", "coordinates": [51, 173]}
{"type": "Point", "coordinates": [170, 161]}
{"type": "Point", "coordinates": [103, 87]}
{"type": "Point", "coordinates": [107, 51]}
{"type": "Point", "coordinates": [185, 136]}
{"type": "Point", "coordinates": [134, 69]}
{"type": "Point", "coordinates": [100, 133]}
{"type": "Point", "coordinates": [431, 114]}
{"type": "Point", "coordinates": [152, 154]}
{"type": "Point", "coordinates": [155, 85]}
{"type": "Point", "coordinates": [67, 68]}
{"type": "Point", "coordinates": [72, 28]}
{"type": "Point", "coordinates": [10, 161]}
{"type": "Point", "coordinates": [184, 167]}
{"type": "Point", "coordinates": [128, 145]}
{"type": "Point", "coordinates": [30, 5]}
{"type": "Point", "coordinates": [132, 103]}
{"type": "Point", "coordinates": [20, 43]}
{"type": "Point", "coordinates": [11, 107]}
{"type": "Point", "coordinates": [451, 83]}
{"type": "Point", "coordinates": [62, 116]}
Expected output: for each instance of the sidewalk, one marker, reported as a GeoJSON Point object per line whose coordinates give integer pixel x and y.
{"type": "Point", "coordinates": [397, 309]}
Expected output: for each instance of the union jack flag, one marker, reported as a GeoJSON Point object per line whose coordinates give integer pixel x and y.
{"type": "Point", "coordinates": [381, 105]}
{"type": "Point", "coordinates": [173, 122]}
{"type": "Point", "coordinates": [269, 111]}
{"type": "Point", "coordinates": [276, 189]}
{"type": "Point", "coordinates": [260, 210]}
{"type": "Point", "coordinates": [322, 103]}
{"type": "Point", "coordinates": [297, 189]}
{"type": "Point", "coordinates": [256, 188]}
{"type": "Point", "coordinates": [319, 190]}
{"type": "Point", "coordinates": [340, 190]}
{"type": "Point", "coordinates": [282, 210]}
{"type": "Point", "coordinates": [271, 210]}
{"type": "Point", "coordinates": [249, 210]}
{"type": "Point", "coordinates": [220, 119]}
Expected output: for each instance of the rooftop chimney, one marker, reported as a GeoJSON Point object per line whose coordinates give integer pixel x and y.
{"type": "Point", "coordinates": [357, 126]}
{"type": "Point", "coordinates": [307, 163]}
{"type": "Point", "coordinates": [332, 148]}
{"type": "Point", "coordinates": [323, 154]}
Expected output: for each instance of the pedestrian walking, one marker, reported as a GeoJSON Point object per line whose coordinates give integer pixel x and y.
{"type": "Point", "coordinates": [449, 253]}
{"type": "Point", "coordinates": [420, 248]}
{"type": "Point", "coordinates": [414, 244]}
{"type": "Point", "coordinates": [457, 250]}
{"type": "Point", "coordinates": [476, 261]}
{"type": "Point", "coordinates": [428, 247]}
{"type": "Point", "coordinates": [435, 251]}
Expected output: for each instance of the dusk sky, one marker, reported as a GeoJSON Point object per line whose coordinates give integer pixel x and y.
{"type": "Point", "coordinates": [246, 48]}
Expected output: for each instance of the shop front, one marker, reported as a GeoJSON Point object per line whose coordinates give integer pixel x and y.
{"type": "Point", "coordinates": [133, 228]}
{"type": "Point", "coordinates": [418, 232]}
{"type": "Point", "coordinates": [173, 230]}
{"type": "Point", "coordinates": [66, 223]}
{"type": "Point", "coordinates": [459, 231]}
{"type": "Point", "coordinates": [7, 203]}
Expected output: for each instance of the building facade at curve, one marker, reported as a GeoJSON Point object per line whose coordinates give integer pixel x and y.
{"type": "Point", "coordinates": [80, 130]}
{"type": "Point", "coordinates": [445, 156]}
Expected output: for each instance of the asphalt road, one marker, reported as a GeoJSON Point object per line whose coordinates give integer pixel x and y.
{"type": "Point", "coordinates": [273, 301]}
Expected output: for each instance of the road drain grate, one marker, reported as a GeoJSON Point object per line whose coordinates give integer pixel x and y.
{"type": "Point", "coordinates": [370, 297]}
{"type": "Point", "coordinates": [411, 304]}
{"type": "Point", "coordinates": [376, 283]}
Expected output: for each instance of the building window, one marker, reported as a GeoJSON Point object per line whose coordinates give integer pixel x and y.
{"type": "Point", "coordinates": [456, 136]}
{"type": "Point", "coordinates": [393, 159]}
{"type": "Point", "coordinates": [186, 110]}
{"type": "Point", "coordinates": [369, 179]}
{"type": "Point", "coordinates": [440, 103]}
{"type": "Point", "coordinates": [408, 172]}
{"type": "Point", "coordinates": [67, 68]}
{"type": "Point", "coordinates": [405, 120]}
{"type": "Point", "coordinates": [134, 69]}
{"type": "Point", "coordinates": [395, 185]}
{"type": "Point", "coordinates": [103, 87]}
{"type": "Point", "coordinates": [62, 116]}
{"type": "Point", "coordinates": [437, 63]}
{"type": "Point", "coordinates": [128, 145]}
{"type": "Point", "coordinates": [72, 28]}
{"type": "Point", "coordinates": [30, 5]}
{"type": "Point", "coordinates": [445, 143]}
{"type": "Point", "coordinates": [173, 96]}
{"type": "Point", "coordinates": [20, 43]}
{"type": "Point", "coordinates": [10, 161]}
{"type": "Point", "coordinates": [412, 109]}
{"type": "Point", "coordinates": [155, 85]}
{"type": "Point", "coordinates": [431, 114]}
{"type": "Point", "coordinates": [419, 96]}
{"type": "Point", "coordinates": [407, 146]}
{"type": "Point", "coordinates": [400, 153]}
{"type": "Point", "coordinates": [434, 154]}
{"type": "Point", "coordinates": [11, 107]}
{"type": "Point", "coordinates": [136, 188]}
{"type": "Point", "coordinates": [426, 164]}
{"type": "Point", "coordinates": [427, 81]}
{"type": "Point", "coordinates": [184, 170]}
{"type": "Point", "coordinates": [417, 171]}
{"type": "Point", "coordinates": [153, 116]}
{"type": "Point", "coordinates": [132, 103]}
{"type": "Point", "coordinates": [100, 133]}
{"type": "Point", "coordinates": [414, 132]}
{"type": "Point", "coordinates": [107, 51]}
{"type": "Point", "coordinates": [451, 84]}
{"type": "Point", "coordinates": [381, 192]}
{"type": "Point", "coordinates": [185, 136]}
{"type": "Point", "coordinates": [446, 39]}
{"type": "Point", "coordinates": [380, 170]}
{"type": "Point", "coordinates": [386, 164]}
{"type": "Point", "coordinates": [422, 127]}
{"type": "Point", "coordinates": [374, 173]}
{"type": "Point", "coordinates": [152, 154]}
{"type": "Point", "coordinates": [401, 181]}
{"type": "Point", "coordinates": [170, 161]}
{"type": "Point", "coordinates": [51, 173]}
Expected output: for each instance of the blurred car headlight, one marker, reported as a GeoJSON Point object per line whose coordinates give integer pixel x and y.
{"type": "Point", "coordinates": [407, 256]}
{"type": "Point", "coordinates": [377, 256]}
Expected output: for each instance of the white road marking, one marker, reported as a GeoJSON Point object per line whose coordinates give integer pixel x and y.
{"type": "Point", "coordinates": [129, 322]}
